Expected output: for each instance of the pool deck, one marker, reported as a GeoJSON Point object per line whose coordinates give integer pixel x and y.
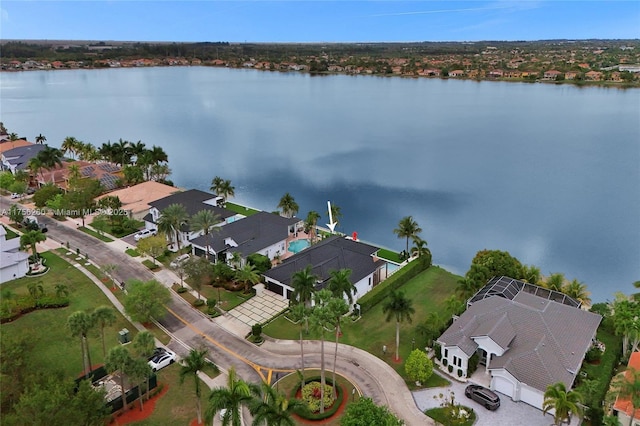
{"type": "Point", "coordinates": [301, 235]}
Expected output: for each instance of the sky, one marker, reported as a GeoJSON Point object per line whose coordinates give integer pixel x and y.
{"type": "Point", "coordinates": [317, 21]}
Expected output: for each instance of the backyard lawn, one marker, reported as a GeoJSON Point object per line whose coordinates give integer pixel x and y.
{"type": "Point", "coordinates": [371, 332]}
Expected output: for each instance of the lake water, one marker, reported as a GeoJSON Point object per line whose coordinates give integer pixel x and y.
{"type": "Point", "coordinates": [550, 173]}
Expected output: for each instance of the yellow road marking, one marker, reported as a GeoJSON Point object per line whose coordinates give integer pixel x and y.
{"type": "Point", "coordinates": [254, 365]}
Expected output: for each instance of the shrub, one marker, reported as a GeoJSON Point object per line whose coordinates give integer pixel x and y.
{"type": "Point", "coordinates": [211, 303]}
{"type": "Point", "coordinates": [594, 354]}
{"type": "Point", "coordinates": [198, 302]}
{"type": "Point", "coordinates": [473, 364]}
{"type": "Point", "coordinates": [438, 351]}
{"type": "Point", "coordinates": [450, 368]}
{"type": "Point", "coordinates": [256, 330]}
{"type": "Point", "coordinates": [418, 366]}
{"type": "Point", "coordinates": [445, 362]}
{"type": "Point", "coordinates": [382, 290]}
{"type": "Point", "coordinates": [311, 395]}
{"type": "Point", "coordinates": [459, 373]}
{"type": "Point", "coordinates": [182, 290]}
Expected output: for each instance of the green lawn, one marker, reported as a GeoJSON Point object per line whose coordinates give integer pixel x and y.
{"type": "Point", "coordinates": [95, 234]}
{"type": "Point", "coordinates": [247, 211]}
{"type": "Point", "coordinates": [428, 291]}
{"type": "Point", "coordinates": [389, 255]}
{"type": "Point", "coordinates": [10, 233]}
{"type": "Point", "coordinates": [54, 348]}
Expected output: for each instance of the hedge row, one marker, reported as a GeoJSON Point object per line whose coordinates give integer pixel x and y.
{"type": "Point", "coordinates": [44, 302]}
{"type": "Point", "coordinates": [395, 281]}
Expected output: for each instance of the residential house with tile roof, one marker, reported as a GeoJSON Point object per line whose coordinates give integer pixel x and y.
{"type": "Point", "coordinates": [18, 158]}
{"type": "Point", "coordinates": [193, 201]}
{"type": "Point", "coordinates": [623, 405]}
{"type": "Point", "coordinates": [333, 253]}
{"type": "Point", "coordinates": [263, 233]}
{"type": "Point", "coordinates": [525, 339]}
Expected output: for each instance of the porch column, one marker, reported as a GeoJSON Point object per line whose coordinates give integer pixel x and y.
{"type": "Point", "coordinates": [486, 366]}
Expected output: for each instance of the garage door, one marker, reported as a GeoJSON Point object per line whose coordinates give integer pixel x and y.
{"type": "Point", "coordinates": [503, 386]}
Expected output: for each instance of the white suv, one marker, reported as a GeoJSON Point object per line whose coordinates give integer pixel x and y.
{"type": "Point", "coordinates": [144, 234]}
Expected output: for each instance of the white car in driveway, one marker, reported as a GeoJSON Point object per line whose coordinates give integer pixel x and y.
{"type": "Point", "coordinates": [144, 234]}
{"type": "Point", "coordinates": [179, 260]}
{"type": "Point", "coordinates": [161, 358]}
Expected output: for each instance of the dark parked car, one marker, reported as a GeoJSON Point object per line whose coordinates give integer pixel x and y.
{"type": "Point", "coordinates": [483, 396]}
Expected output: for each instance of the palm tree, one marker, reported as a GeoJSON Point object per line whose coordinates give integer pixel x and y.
{"type": "Point", "coordinates": [248, 274]}
{"type": "Point", "coordinates": [194, 363]}
{"type": "Point", "coordinates": [310, 224]}
{"type": "Point", "coordinates": [139, 371]}
{"type": "Point", "coordinates": [123, 152]}
{"type": "Point", "coordinates": [300, 314]}
{"type": "Point", "coordinates": [320, 318]}
{"type": "Point", "coordinates": [407, 228]}
{"type": "Point", "coordinates": [171, 220]}
{"type": "Point", "coordinates": [419, 248]}
{"type": "Point", "coordinates": [108, 152]}
{"type": "Point", "coordinates": [216, 184]}
{"type": "Point", "coordinates": [578, 291]}
{"type": "Point", "coordinates": [336, 213]}
{"type": "Point", "coordinates": [32, 238]}
{"type": "Point", "coordinates": [103, 316]}
{"type": "Point", "coordinates": [400, 307]}
{"type": "Point", "coordinates": [13, 136]}
{"type": "Point", "coordinates": [466, 288]}
{"type": "Point", "coordinates": [628, 387]}
{"type": "Point", "coordinates": [226, 191]}
{"type": "Point", "coordinates": [70, 144]}
{"type": "Point", "coordinates": [564, 403]}
{"type": "Point", "coordinates": [304, 285]}
{"type": "Point", "coordinates": [274, 409]}
{"type": "Point", "coordinates": [40, 139]}
{"type": "Point", "coordinates": [531, 274]}
{"type": "Point", "coordinates": [36, 290]}
{"type": "Point", "coordinates": [204, 221]}
{"type": "Point", "coordinates": [79, 323]}
{"type": "Point", "coordinates": [288, 205]}
{"type": "Point", "coordinates": [61, 290]}
{"type": "Point", "coordinates": [119, 359]}
{"type": "Point", "coordinates": [337, 308]}
{"type": "Point", "coordinates": [555, 282]}
{"type": "Point", "coordinates": [50, 158]}
{"type": "Point", "coordinates": [35, 166]}
{"type": "Point", "coordinates": [158, 155]}
{"type": "Point", "coordinates": [340, 284]}
{"type": "Point", "coordinates": [232, 397]}
{"type": "Point", "coordinates": [144, 343]}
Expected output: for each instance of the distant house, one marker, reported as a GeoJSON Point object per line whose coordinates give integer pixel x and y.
{"type": "Point", "coordinates": [526, 338]}
{"type": "Point", "coordinates": [623, 405]}
{"type": "Point", "coordinates": [263, 233]}
{"type": "Point", "coordinates": [570, 75]}
{"type": "Point", "coordinates": [593, 75]}
{"type": "Point", "coordinates": [193, 201]}
{"type": "Point", "coordinates": [13, 262]}
{"type": "Point", "coordinates": [333, 253]}
{"type": "Point", "coordinates": [110, 175]}
{"type": "Point", "coordinates": [496, 73]}
{"type": "Point", "coordinates": [18, 158]}
{"type": "Point", "coordinates": [456, 73]}
{"type": "Point", "coordinates": [135, 199]}
{"type": "Point", "coordinates": [551, 74]}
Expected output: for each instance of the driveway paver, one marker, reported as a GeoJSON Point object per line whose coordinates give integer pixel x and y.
{"type": "Point", "coordinates": [260, 308]}
{"type": "Point", "coordinates": [510, 413]}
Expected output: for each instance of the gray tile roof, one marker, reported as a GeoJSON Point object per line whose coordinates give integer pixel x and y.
{"type": "Point", "coordinates": [548, 339]}
{"type": "Point", "coordinates": [193, 201]}
{"type": "Point", "coordinates": [19, 157]}
{"type": "Point", "coordinates": [252, 233]}
{"type": "Point", "coordinates": [333, 253]}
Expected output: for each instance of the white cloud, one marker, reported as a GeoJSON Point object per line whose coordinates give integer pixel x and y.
{"type": "Point", "coordinates": [4, 15]}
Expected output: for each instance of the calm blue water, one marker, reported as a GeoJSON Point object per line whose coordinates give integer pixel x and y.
{"type": "Point", "coordinates": [549, 173]}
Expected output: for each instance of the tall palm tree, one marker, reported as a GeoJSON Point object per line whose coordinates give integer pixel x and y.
{"type": "Point", "coordinates": [195, 362]}
{"type": "Point", "coordinates": [13, 136]}
{"type": "Point", "coordinates": [35, 166]}
{"type": "Point", "coordinates": [158, 155]}
{"type": "Point", "coordinates": [304, 285]}
{"type": "Point", "coordinates": [144, 343]}
{"type": "Point", "coordinates": [139, 371]}
{"type": "Point", "coordinates": [336, 213]}
{"type": "Point", "coordinates": [103, 316]}
{"type": "Point", "coordinates": [564, 403]}
{"type": "Point", "coordinates": [407, 228]}
{"type": "Point", "coordinates": [226, 190]}
{"type": "Point", "coordinates": [401, 308]}
{"type": "Point", "coordinates": [70, 144]}
{"type": "Point", "coordinates": [32, 238]}
{"type": "Point", "coordinates": [300, 314]}
{"type": "Point", "coordinates": [40, 139]}
{"type": "Point", "coordinates": [119, 359]}
{"type": "Point", "coordinates": [337, 308]}
{"type": "Point", "coordinates": [79, 323]}
{"type": "Point", "coordinates": [320, 318]}
{"type": "Point", "coordinates": [419, 248]}
{"type": "Point", "coordinates": [310, 224]}
{"type": "Point", "coordinates": [205, 221]}
{"type": "Point", "coordinates": [627, 386]}
{"type": "Point", "coordinates": [248, 274]}
{"type": "Point", "coordinates": [50, 157]}
{"type": "Point", "coordinates": [578, 291]}
{"type": "Point", "coordinates": [171, 220]}
{"type": "Point", "coordinates": [216, 184]}
{"type": "Point", "coordinates": [340, 284]}
{"type": "Point", "coordinates": [274, 409]}
{"type": "Point", "coordinates": [288, 205]}
{"type": "Point", "coordinates": [108, 152]}
{"type": "Point", "coordinates": [232, 397]}
{"type": "Point", "coordinates": [123, 152]}
{"type": "Point", "coordinates": [466, 288]}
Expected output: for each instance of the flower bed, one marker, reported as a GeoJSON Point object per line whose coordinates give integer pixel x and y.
{"type": "Point", "coordinates": [314, 403]}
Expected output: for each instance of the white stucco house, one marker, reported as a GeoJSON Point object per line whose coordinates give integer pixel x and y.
{"type": "Point", "coordinates": [264, 233]}
{"type": "Point", "coordinates": [333, 253]}
{"type": "Point", "coordinates": [193, 201]}
{"type": "Point", "coordinates": [13, 262]}
{"type": "Point", "coordinates": [526, 338]}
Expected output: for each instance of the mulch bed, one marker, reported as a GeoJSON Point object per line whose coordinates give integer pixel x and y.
{"type": "Point", "coordinates": [338, 412]}
{"type": "Point", "coordinates": [134, 414]}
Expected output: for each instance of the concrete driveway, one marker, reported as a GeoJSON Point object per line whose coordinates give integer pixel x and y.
{"type": "Point", "coordinates": [509, 414]}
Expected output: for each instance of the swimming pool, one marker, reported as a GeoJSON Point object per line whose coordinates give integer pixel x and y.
{"type": "Point", "coordinates": [298, 245]}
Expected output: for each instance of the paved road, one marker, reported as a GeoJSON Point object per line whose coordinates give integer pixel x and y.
{"type": "Point", "coordinates": [374, 378]}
